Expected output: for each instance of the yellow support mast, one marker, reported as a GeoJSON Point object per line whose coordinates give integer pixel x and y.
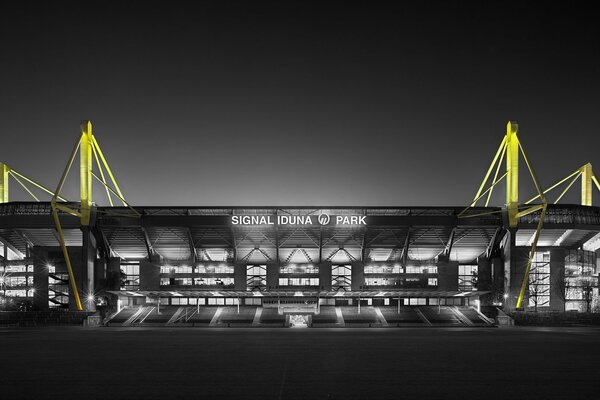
{"type": "Point", "coordinates": [511, 148]}
{"type": "Point", "coordinates": [586, 184]}
{"type": "Point", "coordinates": [88, 151]}
{"type": "Point", "coordinates": [85, 158]}
{"type": "Point", "coordinates": [4, 169]}
{"type": "Point", "coordinates": [512, 170]}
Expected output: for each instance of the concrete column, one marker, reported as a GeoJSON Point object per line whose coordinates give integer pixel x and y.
{"type": "Point", "coordinates": [358, 276]}
{"type": "Point", "coordinates": [150, 273]}
{"type": "Point", "coordinates": [484, 273]}
{"type": "Point", "coordinates": [448, 275]}
{"type": "Point", "coordinates": [518, 263]}
{"type": "Point", "coordinates": [557, 275]}
{"type": "Point", "coordinates": [239, 277]}
{"type": "Point", "coordinates": [325, 276]}
{"type": "Point", "coordinates": [88, 254]}
{"type": "Point", "coordinates": [272, 275]}
{"type": "Point", "coordinates": [113, 274]}
{"type": "Point", "coordinates": [80, 274]}
{"type": "Point", "coordinates": [40, 278]}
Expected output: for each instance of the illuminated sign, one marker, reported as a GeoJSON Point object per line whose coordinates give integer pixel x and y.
{"type": "Point", "coordinates": [322, 219]}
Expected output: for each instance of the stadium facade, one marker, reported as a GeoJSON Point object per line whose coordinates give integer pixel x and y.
{"type": "Point", "coordinates": [297, 260]}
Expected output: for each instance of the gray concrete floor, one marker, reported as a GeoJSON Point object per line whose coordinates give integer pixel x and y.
{"type": "Point", "coordinates": [221, 363]}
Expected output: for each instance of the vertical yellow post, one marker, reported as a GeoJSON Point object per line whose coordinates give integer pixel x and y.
{"type": "Point", "coordinates": [86, 155]}
{"type": "Point", "coordinates": [586, 184]}
{"type": "Point", "coordinates": [512, 170]}
{"type": "Point", "coordinates": [4, 183]}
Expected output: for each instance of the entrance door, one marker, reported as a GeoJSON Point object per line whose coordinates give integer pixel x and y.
{"type": "Point", "coordinates": [298, 321]}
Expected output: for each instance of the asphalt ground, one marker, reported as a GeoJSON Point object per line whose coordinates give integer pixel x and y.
{"type": "Point", "coordinates": [261, 363]}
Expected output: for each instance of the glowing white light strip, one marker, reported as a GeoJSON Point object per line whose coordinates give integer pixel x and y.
{"type": "Point", "coordinates": [593, 244]}
{"type": "Point", "coordinates": [563, 237]}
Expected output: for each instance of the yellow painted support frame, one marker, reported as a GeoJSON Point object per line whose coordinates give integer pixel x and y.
{"type": "Point", "coordinates": [586, 173]}
{"type": "Point", "coordinates": [531, 256]}
{"type": "Point", "coordinates": [4, 170]}
{"type": "Point", "coordinates": [509, 148]}
{"type": "Point", "coordinates": [88, 150]}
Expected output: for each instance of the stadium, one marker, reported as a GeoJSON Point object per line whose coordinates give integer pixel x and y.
{"type": "Point", "coordinates": [322, 266]}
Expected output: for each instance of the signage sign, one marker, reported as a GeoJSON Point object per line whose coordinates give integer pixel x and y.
{"type": "Point", "coordinates": [322, 219]}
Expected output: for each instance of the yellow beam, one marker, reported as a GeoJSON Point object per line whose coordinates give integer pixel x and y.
{"type": "Point", "coordinates": [501, 149]}
{"type": "Point", "coordinates": [586, 184]}
{"type": "Point", "coordinates": [487, 201]}
{"type": "Point", "coordinates": [102, 175]}
{"type": "Point", "coordinates": [566, 189]}
{"type": "Point", "coordinates": [596, 182]}
{"type": "Point", "coordinates": [85, 157]}
{"type": "Point", "coordinates": [108, 170]}
{"type": "Point", "coordinates": [4, 170]}
{"type": "Point", "coordinates": [554, 186]}
{"type": "Point", "coordinates": [536, 182]}
{"type": "Point", "coordinates": [512, 169]}
{"type": "Point", "coordinates": [23, 185]}
{"type": "Point", "coordinates": [531, 256]}
{"type": "Point", "coordinates": [68, 210]}
{"type": "Point", "coordinates": [34, 183]}
{"type": "Point", "coordinates": [63, 246]}
{"type": "Point", "coordinates": [528, 211]}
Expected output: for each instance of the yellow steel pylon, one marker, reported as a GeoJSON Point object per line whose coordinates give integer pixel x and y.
{"type": "Point", "coordinates": [510, 147]}
{"type": "Point", "coordinates": [88, 149]}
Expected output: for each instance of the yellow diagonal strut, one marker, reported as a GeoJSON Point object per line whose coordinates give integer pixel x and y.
{"type": "Point", "coordinates": [61, 238]}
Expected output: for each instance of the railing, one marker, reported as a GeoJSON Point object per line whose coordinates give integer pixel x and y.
{"type": "Point", "coordinates": [566, 214]}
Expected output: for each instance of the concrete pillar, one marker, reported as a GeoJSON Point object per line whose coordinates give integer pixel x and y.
{"type": "Point", "coordinates": [484, 273]}
{"type": "Point", "coordinates": [150, 273]}
{"type": "Point", "coordinates": [485, 280]}
{"type": "Point", "coordinates": [272, 275]}
{"type": "Point", "coordinates": [88, 261]}
{"type": "Point", "coordinates": [40, 278]}
{"type": "Point", "coordinates": [325, 276]}
{"type": "Point", "coordinates": [518, 264]}
{"type": "Point", "coordinates": [557, 276]}
{"type": "Point", "coordinates": [239, 276]}
{"type": "Point", "coordinates": [358, 276]}
{"type": "Point", "coordinates": [80, 274]}
{"type": "Point", "coordinates": [113, 274]}
{"type": "Point", "coordinates": [448, 275]}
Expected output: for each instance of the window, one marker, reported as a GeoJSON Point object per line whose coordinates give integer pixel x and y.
{"type": "Point", "coordinates": [383, 281]}
{"type": "Point", "coordinates": [256, 276]}
{"type": "Point", "coordinates": [299, 269]}
{"type": "Point", "coordinates": [432, 281]}
{"type": "Point", "coordinates": [421, 269]}
{"type": "Point", "coordinates": [580, 280]}
{"type": "Point", "coordinates": [467, 278]}
{"type": "Point", "coordinates": [539, 280]}
{"type": "Point", "coordinates": [215, 269]}
{"type": "Point", "coordinates": [341, 276]}
{"type": "Point", "coordinates": [131, 270]}
{"type": "Point", "coordinates": [383, 269]}
{"type": "Point", "coordinates": [298, 281]}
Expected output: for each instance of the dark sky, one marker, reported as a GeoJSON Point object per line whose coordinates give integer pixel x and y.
{"type": "Point", "coordinates": [302, 104]}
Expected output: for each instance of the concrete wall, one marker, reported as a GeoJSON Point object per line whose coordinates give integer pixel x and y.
{"type": "Point", "coordinates": [557, 274]}
{"type": "Point", "coordinates": [358, 275]}
{"type": "Point", "coordinates": [518, 264]}
{"type": "Point", "coordinates": [150, 274]}
{"type": "Point", "coordinates": [325, 275]}
{"type": "Point", "coordinates": [448, 275]}
{"type": "Point", "coordinates": [272, 276]}
{"type": "Point", "coordinates": [239, 276]}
